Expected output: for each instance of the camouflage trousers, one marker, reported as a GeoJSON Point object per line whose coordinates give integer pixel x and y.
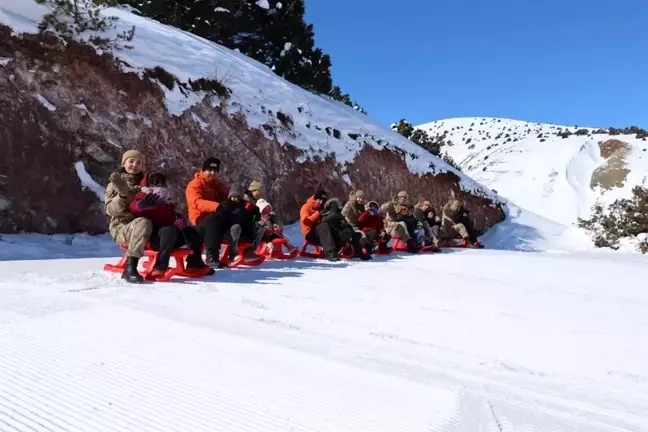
{"type": "Point", "coordinates": [398, 230]}
{"type": "Point", "coordinates": [135, 235]}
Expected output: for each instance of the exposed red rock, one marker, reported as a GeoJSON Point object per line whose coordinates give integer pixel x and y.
{"type": "Point", "coordinates": [102, 111]}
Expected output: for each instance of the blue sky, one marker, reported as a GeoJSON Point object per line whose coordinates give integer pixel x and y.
{"type": "Point", "coordinates": [572, 62]}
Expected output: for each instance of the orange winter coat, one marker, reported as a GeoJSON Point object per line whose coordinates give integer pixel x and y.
{"type": "Point", "coordinates": [309, 216]}
{"type": "Point", "coordinates": [203, 196]}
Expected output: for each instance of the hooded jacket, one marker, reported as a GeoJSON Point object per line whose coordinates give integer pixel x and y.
{"type": "Point", "coordinates": [203, 196]}
{"type": "Point", "coordinates": [309, 216]}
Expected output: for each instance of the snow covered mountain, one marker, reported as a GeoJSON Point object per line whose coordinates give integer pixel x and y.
{"type": "Point", "coordinates": [558, 172]}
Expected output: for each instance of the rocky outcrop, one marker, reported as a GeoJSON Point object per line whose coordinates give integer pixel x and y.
{"type": "Point", "coordinates": [63, 104]}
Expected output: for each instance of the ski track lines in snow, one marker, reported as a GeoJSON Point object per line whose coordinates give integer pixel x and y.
{"type": "Point", "coordinates": [450, 342]}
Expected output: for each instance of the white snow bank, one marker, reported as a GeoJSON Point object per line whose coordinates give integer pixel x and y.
{"type": "Point", "coordinates": [47, 104]}
{"type": "Point", "coordinates": [87, 181]}
{"type": "Point", "coordinates": [526, 231]}
{"type": "Point", "coordinates": [256, 91]}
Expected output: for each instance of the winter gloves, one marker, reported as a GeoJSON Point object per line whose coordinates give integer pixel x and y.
{"type": "Point", "coordinates": [120, 184]}
{"type": "Point", "coordinates": [180, 222]}
{"type": "Point", "coordinates": [145, 204]}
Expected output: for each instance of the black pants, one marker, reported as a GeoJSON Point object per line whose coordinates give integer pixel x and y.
{"type": "Point", "coordinates": [411, 223]}
{"type": "Point", "coordinates": [253, 234]}
{"type": "Point", "coordinates": [167, 238]}
{"type": "Point", "coordinates": [216, 230]}
{"type": "Point", "coordinates": [332, 239]}
{"type": "Point", "coordinates": [323, 235]}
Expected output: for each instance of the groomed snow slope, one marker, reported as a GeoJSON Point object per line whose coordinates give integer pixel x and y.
{"type": "Point", "coordinates": [550, 178]}
{"type": "Point", "coordinates": [257, 93]}
{"type": "Point", "coordinates": [484, 341]}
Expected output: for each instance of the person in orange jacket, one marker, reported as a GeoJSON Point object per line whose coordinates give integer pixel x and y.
{"type": "Point", "coordinates": [316, 230]}
{"type": "Point", "coordinates": [204, 194]}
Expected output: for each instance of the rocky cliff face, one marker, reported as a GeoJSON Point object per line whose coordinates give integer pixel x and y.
{"type": "Point", "coordinates": [63, 103]}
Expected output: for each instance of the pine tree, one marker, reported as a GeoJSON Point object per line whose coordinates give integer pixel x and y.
{"type": "Point", "coordinates": [405, 128]}
{"type": "Point", "coordinates": [277, 36]}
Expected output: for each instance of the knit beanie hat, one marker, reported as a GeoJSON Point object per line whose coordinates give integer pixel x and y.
{"type": "Point", "coordinates": [370, 204]}
{"type": "Point", "coordinates": [321, 194]}
{"type": "Point", "coordinates": [255, 185]}
{"type": "Point", "coordinates": [333, 205]}
{"type": "Point", "coordinates": [212, 163]}
{"type": "Point", "coordinates": [357, 194]}
{"type": "Point", "coordinates": [264, 206]}
{"type": "Point", "coordinates": [134, 154]}
{"type": "Point", "coordinates": [235, 190]}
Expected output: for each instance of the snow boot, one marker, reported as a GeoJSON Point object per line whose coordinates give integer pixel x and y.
{"type": "Point", "coordinates": [212, 260]}
{"type": "Point", "coordinates": [195, 262]}
{"type": "Point", "coordinates": [332, 256]}
{"type": "Point", "coordinates": [383, 248]}
{"type": "Point", "coordinates": [412, 247]}
{"type": "Point", "coordinates": [131, 274]}
{"type": "Point", "coordinates": [366, 257]}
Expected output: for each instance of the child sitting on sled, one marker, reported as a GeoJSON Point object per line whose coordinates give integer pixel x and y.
{"type": "Point", "coordinates": [372, 225]}
{"type": "Point", "coordinates": [272, 225]}
{"type": "Point", "coordinates": [171, 229]}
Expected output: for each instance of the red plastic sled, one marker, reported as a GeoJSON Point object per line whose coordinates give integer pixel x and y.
{"type": "Point", "coordinates": [180, 268]}
{"type": "Point", "coordinates": [278, 252]}
{"type": "Point", "coordinates": [460, 243]}
{"type": "Point", "coordinates": [385, 251]}
{"type": "Point", "coordinates": [401, 245]}
{"type": "Point", "coordinates": [241, 261]}
{"type": "Point", "coordinates": [346, 252]}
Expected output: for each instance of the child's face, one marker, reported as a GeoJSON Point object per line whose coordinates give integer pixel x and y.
{"type": "Point", "coordinates": [133, 166]}
{"type": "Point", "coordinates": [265, 214]}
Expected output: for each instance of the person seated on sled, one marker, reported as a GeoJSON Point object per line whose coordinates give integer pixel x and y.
{"type": "Point", "coordinates": [455, 221]}
{"type": "Point", "coordinates": [372, 225]}
{"type": "Point", "coordinates": [351, 212]}
{"type": "Point", "coordinates": [320, 231]}
{"type": "Point", "coordinates": [428, 221]}
{"type": "Point", "coordinates": [395, 226]}
{"type": "Point", "coordinates": [343, 233]}
{"type": "Point", "coordinates": [204, 194]}
{"type": "Point", "coordinates": [125, 228]}
{"type": "Point", "coordinates": [171, 230]}
{"type": "Point", "coordinates": [232, 220]}
{"type": "Point", "coordinates": [270, 223]}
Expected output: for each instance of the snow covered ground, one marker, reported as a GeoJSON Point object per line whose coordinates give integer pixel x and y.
{"type": "Point", "coordinates": [466, 340]}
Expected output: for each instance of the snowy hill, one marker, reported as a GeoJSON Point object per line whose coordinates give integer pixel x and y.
{"type": "Point", "coordinates": [532, 166]}
{"type": "Point", "coordinates": [180, 98]}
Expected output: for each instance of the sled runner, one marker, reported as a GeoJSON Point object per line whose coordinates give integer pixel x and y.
{"type": "Point", "coordinates": [180, 268]}
{"type": "Point", "coordinates": [278, 248]}
{"type": "Point", "coordinates": [346, 252]}
{"type": "Point", "coordinates": [401, 245]}
{"type": "Point", "coordinates": [242, 260]}
{"type": "Point", "coordinates": [460, 244]}
{"type": "Point", "coordinates": [382, 248]}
